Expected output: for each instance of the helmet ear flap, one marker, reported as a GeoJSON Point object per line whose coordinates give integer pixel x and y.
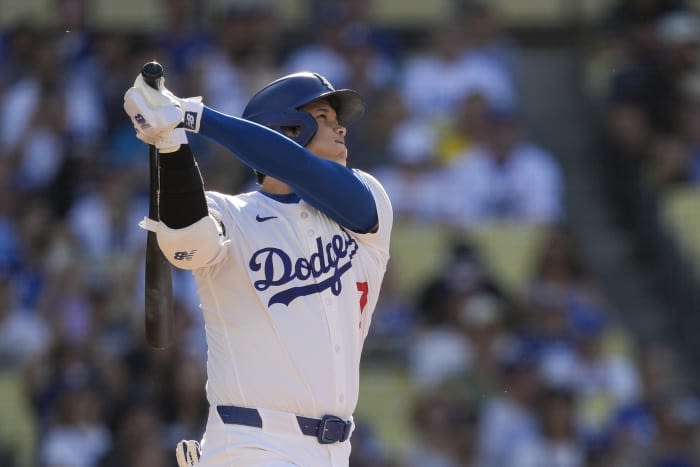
{"type": "Point", "coordinates": [279, 121]}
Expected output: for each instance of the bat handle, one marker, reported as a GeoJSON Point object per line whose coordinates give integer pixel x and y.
{"type": "Point", "coordinates": [152, 73]}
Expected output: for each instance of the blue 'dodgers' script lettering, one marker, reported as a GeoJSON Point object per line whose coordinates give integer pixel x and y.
{"type": "Point", "coordinates": [279, 269]}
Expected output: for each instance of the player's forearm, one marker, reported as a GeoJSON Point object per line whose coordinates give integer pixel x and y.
{"type": "Point", "coordinates": [182, 201]}
{"type": "Point", "coordinates": [328, 186]}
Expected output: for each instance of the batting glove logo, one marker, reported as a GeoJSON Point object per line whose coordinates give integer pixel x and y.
{"type": "Point", "coordinates": [184, 255]}
{"type": "Point", "coordinates": [142, 121]}
{"type": "Point", "coordinates": [190, 120]}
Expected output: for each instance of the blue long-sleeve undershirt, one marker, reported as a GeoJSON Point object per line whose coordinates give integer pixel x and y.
{"type": "Point", "coordinates": [328, 186]}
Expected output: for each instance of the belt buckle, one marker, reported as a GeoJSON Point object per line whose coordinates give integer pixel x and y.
{"type": "Point", "coordinates": [323, 429]}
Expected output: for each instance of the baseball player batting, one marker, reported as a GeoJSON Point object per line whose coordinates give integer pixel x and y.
{"type": "Point", "coordinates": [288, 275]}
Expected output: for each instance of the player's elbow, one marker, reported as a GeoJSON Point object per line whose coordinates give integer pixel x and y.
{"type": "Point", "coordinates": [364, 217]}
{"type": "Point", "coordinates": [365, 225]}
{"type": "Point", "coordinates": [192, 247]}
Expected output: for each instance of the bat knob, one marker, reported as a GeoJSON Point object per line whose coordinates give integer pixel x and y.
{"type": "Point", "coordinates": [152, 73]}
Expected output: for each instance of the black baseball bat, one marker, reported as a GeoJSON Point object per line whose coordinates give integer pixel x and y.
{"type": "Point", "coordinates": [158, 279]}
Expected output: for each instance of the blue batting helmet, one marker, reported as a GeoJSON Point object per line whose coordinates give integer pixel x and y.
{"type": "Point", "coordinates": [276, 106]}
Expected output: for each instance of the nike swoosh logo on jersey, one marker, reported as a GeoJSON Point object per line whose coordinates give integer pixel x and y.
{"type": "Point", "coordinates": [263, 219]}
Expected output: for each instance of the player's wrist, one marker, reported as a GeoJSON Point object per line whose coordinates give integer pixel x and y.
{"type": "Point", "coordinates": [171, 140]}
{"type": "Point", "coordinates": [192, 108]}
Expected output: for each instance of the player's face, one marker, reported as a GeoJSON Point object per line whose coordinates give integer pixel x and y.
{"type": "Point", "coordinates": [329, 140]}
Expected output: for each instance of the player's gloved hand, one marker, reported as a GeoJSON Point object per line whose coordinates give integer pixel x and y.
{"type": "Point", "coordinates": [159, 117]}
{"type": "Point", "coordinates": [151, 114]}
{"type": "Point", "coordinates": [191, 106]}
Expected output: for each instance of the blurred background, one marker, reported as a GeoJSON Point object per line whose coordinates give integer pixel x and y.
{"type": "Point", "coordinates": [542, 301]}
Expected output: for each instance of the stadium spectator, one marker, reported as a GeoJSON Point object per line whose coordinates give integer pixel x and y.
{"type": "Point", "coordinates": [507, 179]}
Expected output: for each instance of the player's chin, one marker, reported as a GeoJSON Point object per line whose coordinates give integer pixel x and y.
{"type": "Point", "coordinates": [341, 156]}
{"type": "Point", "coordinates": [337, 153]}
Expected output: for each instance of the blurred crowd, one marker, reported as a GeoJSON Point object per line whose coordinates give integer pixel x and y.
{"type": "Point", "coordinates": [545, 377]}
{"type": "Point", "coordinates": [644, 74]}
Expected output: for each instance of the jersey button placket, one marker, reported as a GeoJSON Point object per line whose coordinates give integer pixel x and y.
{"type": "Point", "coordinates": [338, 357]}
{"type": "Point", "coordinates": [306, 220]}
{"type": "Point", "coordinates": [330, 306]}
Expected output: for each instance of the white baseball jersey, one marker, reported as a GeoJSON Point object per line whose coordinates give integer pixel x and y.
{"type": "Point", "coordinates": [287, 300]}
